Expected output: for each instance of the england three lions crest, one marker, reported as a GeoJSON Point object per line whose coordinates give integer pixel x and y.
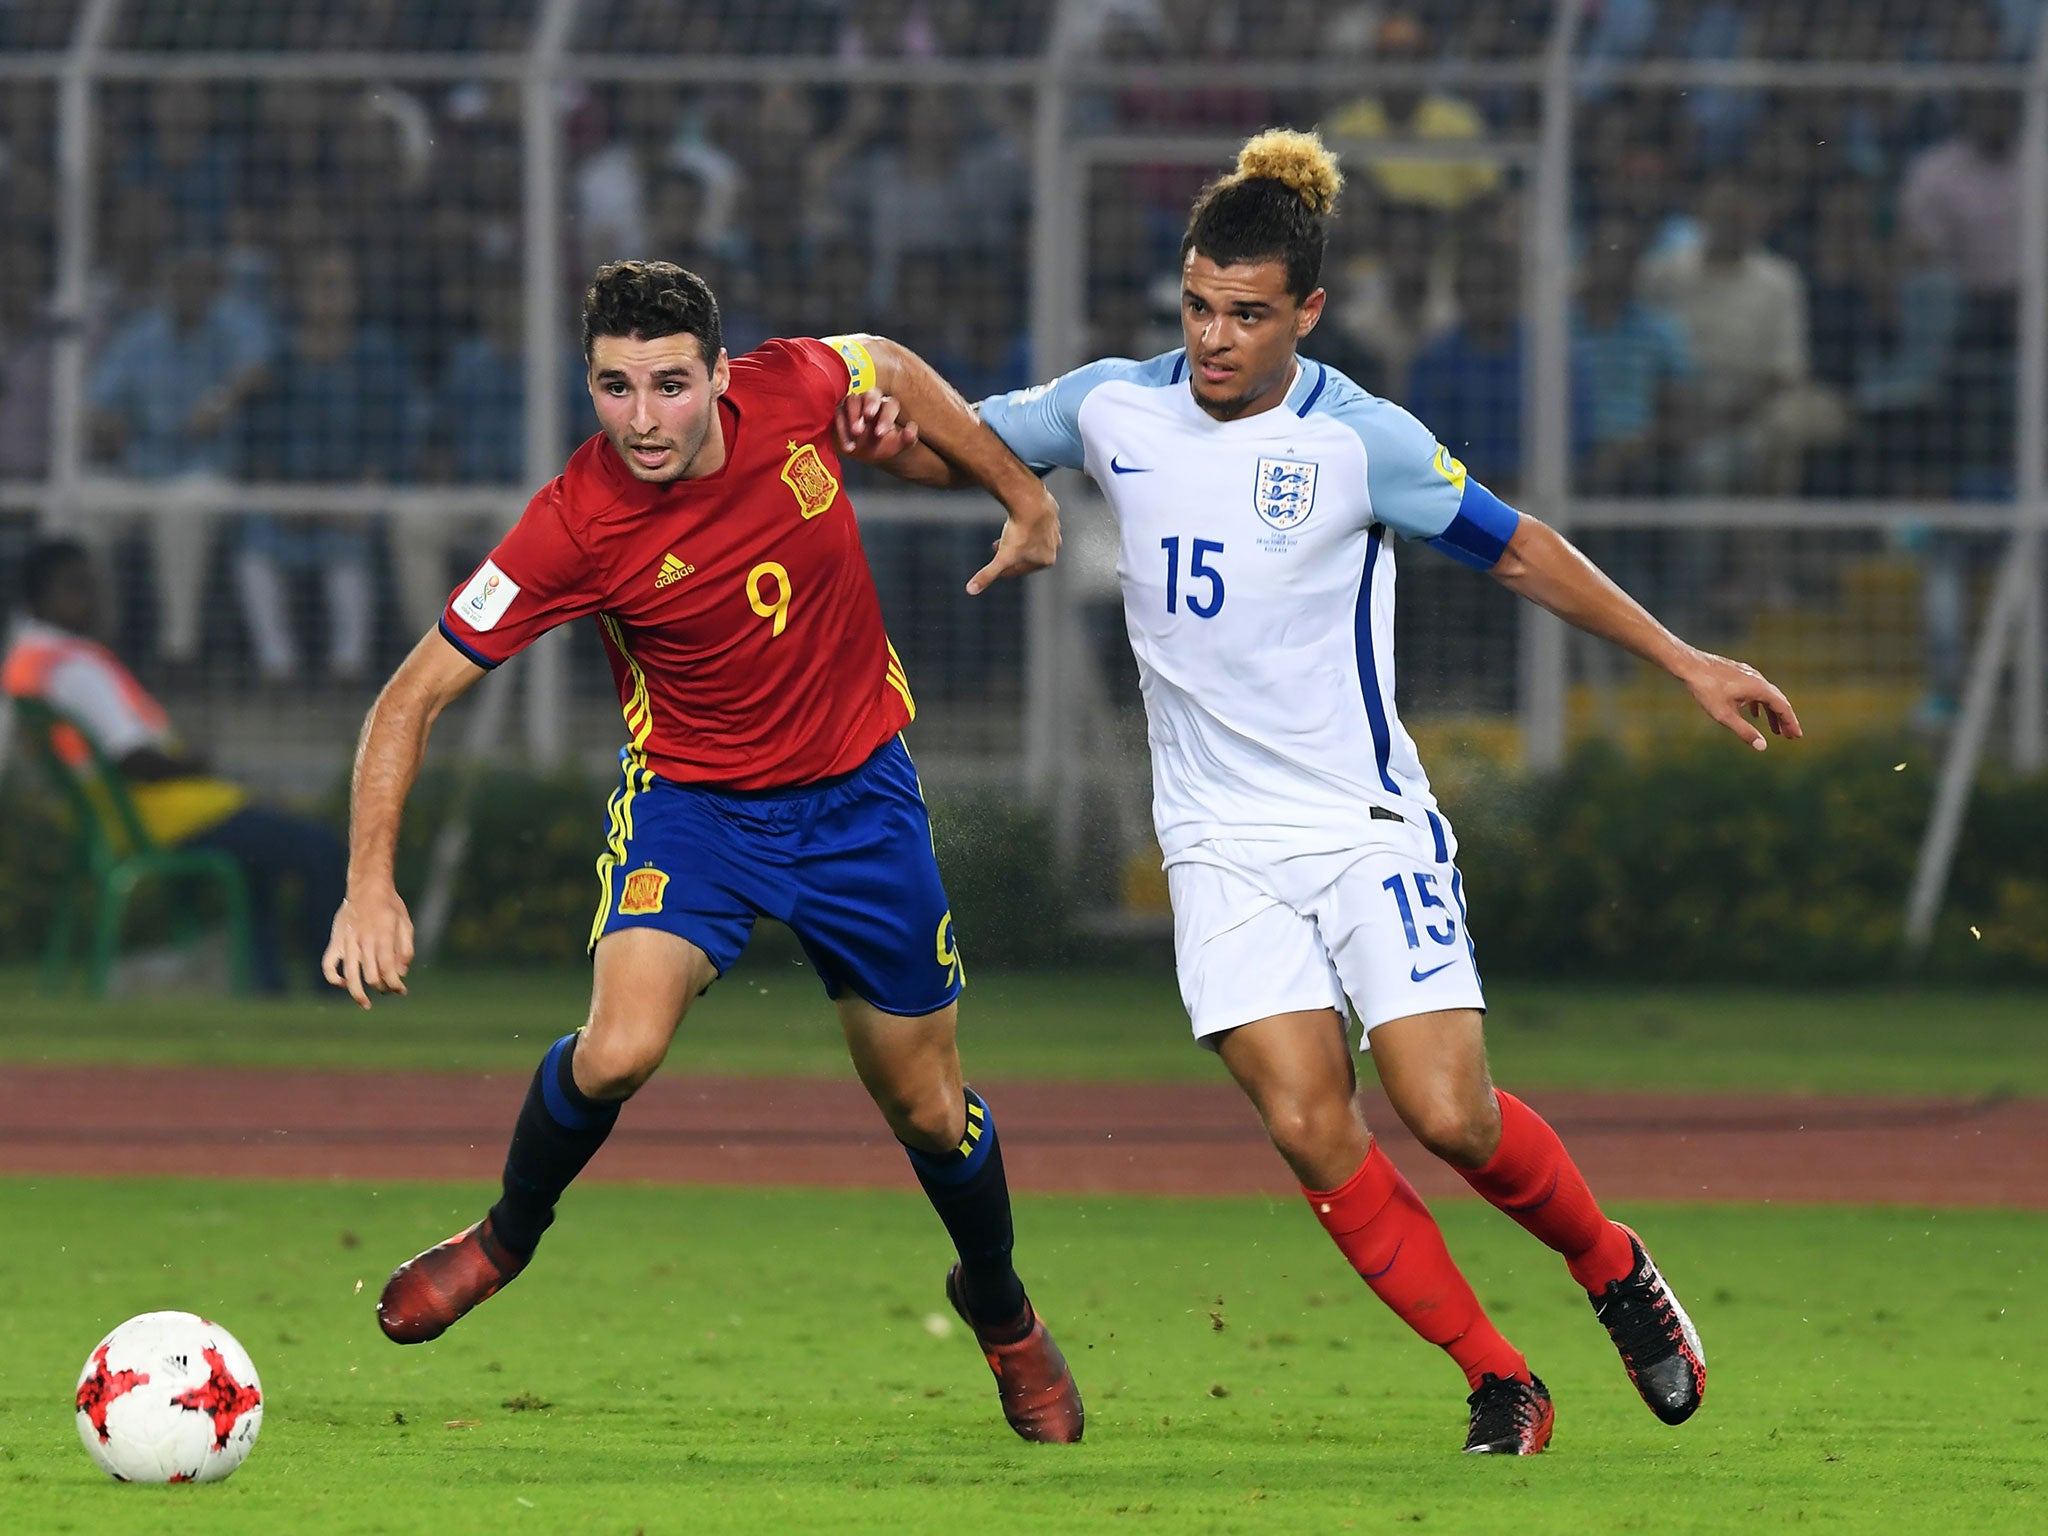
{"type": "Point", "coordinates": [1284, 492]}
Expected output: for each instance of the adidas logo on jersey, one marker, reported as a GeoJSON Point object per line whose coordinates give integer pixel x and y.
{"type": "Point", "coordinates": [672, 571]}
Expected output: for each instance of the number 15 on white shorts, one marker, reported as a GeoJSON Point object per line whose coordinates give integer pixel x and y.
{"type": "Point", "coordinates": [1382, 927]}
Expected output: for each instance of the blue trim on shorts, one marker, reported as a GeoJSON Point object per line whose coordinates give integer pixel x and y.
{"type": "Point", "coordinates": [846, 863]}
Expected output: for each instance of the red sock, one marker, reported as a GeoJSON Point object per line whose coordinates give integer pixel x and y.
{"type": "Point", "coordinates": [1381, 1225]}
{"type": "Point", "coordinates": [1532, 1178]}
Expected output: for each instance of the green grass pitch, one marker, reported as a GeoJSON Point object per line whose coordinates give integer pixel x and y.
{"type": "Point", "coordinates": [701, 1361]}
{"type": "Point", "coordinates": [770, 1016]}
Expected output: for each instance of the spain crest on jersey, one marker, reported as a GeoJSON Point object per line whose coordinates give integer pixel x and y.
{"type": "Point", "coordinates": [643, 892]}
{"type": "Point", "coordinates": [806, 475]}
{"type": "Point", "coordinates": [1284, 491]}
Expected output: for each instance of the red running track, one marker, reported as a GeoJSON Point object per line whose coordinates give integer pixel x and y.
{"type": "Point", "coordinates": [1072, 1138]}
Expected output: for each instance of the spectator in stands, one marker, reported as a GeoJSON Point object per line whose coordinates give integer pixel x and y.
{"type": "Point", "coordinates": [1634, 366]}
{"type": "Point", "coordinates": [168, 393]}
{"type": "Point", "coordinates": [985, 350]}
{"type": "Point", "coordinates": [1744, 312]}
{"type": "Point", "coordinates": [681, 230]}
{"type": "Point", "coordinates": [170, 385]}
{"type": "Point", "coordinates": [1394, 283]}
{"type": "Point", "coordinates": [53, 657]}
{"type": "Point", "coordinates": [1411, 111]}
{"type": "Point", "coordinates": [771, 143]}
{"type": "Point", "coordinates": [410, 233]}
{"type": "Point", "coordinates": [27, 189]}
{"type": "Point", "coordinates": [1467, 382]}
{"type": "Point", "coordinates": [1959, 215]}
{"type": "Point", "coordinates": [1717, 119]}
{"type": "Point", "coordinates": [342, 408]}
{"type": "Point", "coordinates": [25, 360]}
{"type": "Point", "coordinates": [1959, 209]}
{"type": "Point", "coordinates": [888, 29]}
{"type": "Point", "coordinates": [477, 429]}
{"type": "Point", "coordinates": [182, 155]}
{"type": "Point", "coordinates": [287, 171]}
{"type": "Point", "coordinates": [939, 182]}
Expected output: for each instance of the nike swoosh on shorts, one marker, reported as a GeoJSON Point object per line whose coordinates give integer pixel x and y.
{"type": "Point", "coordinates": [1415, 975]}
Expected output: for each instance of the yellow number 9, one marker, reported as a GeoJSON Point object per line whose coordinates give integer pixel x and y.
{"type": "Point", "coordinates": [778, 608]}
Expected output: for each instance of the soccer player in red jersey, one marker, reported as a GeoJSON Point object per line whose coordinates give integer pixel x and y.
{"type": "Point", "coordinates": [707, 532]}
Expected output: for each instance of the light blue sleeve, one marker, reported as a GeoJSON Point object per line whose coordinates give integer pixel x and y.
{"type": "Point", "coordinates": [1417, 488]}
{"type": "Point", "coordinates": [1042, 424]}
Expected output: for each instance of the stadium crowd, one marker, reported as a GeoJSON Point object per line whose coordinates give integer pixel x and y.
{"type": "Point", "coordinates": [1802, 291]}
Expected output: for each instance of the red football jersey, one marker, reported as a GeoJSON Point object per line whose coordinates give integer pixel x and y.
{"type": "Point", "coordinates": [738, 610]}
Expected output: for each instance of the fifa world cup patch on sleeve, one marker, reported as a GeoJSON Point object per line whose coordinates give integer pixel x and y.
{"type": "Point", "coordinates": [1450, 469]}
{"type": "Point", "coordinates": [483, 602]}
{"type": "Point", "coordinates": [643, 892]}
{"type": "Point", "coordinates": [860, 363]}
{"type": "Point", "coordinates": [805, 474]}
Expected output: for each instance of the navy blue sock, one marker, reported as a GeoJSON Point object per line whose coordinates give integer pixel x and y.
{"type": "Point", "coordinates": [559, 1129]}
{"type": "Point", "coordinates": [967, 1188]}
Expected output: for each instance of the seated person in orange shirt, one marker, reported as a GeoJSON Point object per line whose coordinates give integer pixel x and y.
{"type": "Point", "coordinates": [52, 657]}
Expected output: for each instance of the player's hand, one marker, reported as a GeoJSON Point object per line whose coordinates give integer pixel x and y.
{"type": "Point", "coordinates": [371, 948]}
{"type": "Point", "coordinates": [869, 428]}
{"type": "Point", "coordinates": [1030, 542]}
{"type": "Point", "coordinates": [1738, 695]}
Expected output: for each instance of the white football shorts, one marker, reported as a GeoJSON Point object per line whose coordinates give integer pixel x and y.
{"type": "Point", "coordinates": [1259, 930]}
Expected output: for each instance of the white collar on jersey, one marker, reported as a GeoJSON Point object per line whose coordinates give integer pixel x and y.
{"type": "Point", "coordinates": [1309, 381]}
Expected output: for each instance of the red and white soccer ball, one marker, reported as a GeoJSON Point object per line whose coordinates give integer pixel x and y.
{"type": "Point", "coordinates": [169, 1398]}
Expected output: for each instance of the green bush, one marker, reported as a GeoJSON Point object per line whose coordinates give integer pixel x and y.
{"type": "Point", "coordinates": [1791, 867]}
{"type": "Point", "coordinates": [1718, 866]}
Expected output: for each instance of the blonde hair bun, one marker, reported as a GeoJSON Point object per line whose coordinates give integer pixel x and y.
{"type": "Point", "coordinates": [1298, 161]}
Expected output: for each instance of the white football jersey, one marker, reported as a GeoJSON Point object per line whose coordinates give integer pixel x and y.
{"type": "Point", "coordinates": [1258, 585]}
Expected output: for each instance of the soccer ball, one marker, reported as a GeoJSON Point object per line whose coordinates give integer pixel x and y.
{"type": "Point", "coordinates": [169, 1398]}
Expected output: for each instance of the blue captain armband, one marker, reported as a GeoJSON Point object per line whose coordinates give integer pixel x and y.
{"type": "Point", "coordinates": [1479, 532]}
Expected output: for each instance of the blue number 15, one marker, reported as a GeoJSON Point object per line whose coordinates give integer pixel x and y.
{"type": "Point", "coordinates": [1425, 893]}
{"type": "Point", "coordinates": [1198, 570]}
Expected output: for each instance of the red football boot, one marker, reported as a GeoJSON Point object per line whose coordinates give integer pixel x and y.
{"type": "Point", "coordinates": [1035, 1387]}
{"type": "Point", "coordinates": [425, 1296]}
{"type": "Point", "coordinates": [1659, 1347]}
{"type": "Point", "coordinates": [1510, 1417]}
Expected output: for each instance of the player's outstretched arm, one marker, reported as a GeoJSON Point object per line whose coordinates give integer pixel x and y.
{"type": "Point", "coordinates": [947, 429]}
{"type": "Point", "coordinates": [872, 428]}
{"type": "Point", "coordinates": [1543, 566]}
{"type": "Point", "coordinates": [371, 946]}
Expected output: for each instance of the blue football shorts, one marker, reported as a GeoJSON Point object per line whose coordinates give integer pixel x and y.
{"type": "Point", "coordinates": [848, 865]}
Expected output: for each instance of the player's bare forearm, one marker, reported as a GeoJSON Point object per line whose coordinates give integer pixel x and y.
{"type": "Point", "coordinates": [391, 749]}
{"type": "Point", "coordinates": [1548, 569]}
{"type": "Point", "coordinates": [947, 445]}
{"type": "Point", "coordinates": [921, 466]}
{"type": "Point", "coordinates": [949, 431]}
{"type": "Point", "coordinates": [1545, 567]}
{"type": "Point", "coordinates": [371, 947]}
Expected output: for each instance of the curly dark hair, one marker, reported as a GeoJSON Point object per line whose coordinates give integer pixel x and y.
{"type": "Point", "coordinates": [646, 299]}
{"type": "Point", "coordinates": [1275, 205]}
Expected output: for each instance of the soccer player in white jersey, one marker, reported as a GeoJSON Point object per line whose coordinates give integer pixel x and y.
{"type": "Point", "coordinates": [1257, 494]}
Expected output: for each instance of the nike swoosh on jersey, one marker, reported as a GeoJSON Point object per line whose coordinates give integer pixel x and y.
{"type": "Point", "coordinates": [1127, 469]}
{"type": "Point", "coordinates": [1415, 975]}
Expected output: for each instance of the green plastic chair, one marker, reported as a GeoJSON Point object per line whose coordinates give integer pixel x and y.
{"type": "Point", "coordinates": [112, 856]}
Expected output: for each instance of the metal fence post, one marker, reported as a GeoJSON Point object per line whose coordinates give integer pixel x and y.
{"type": "Point", "coordinates": [547, 664]}
{"type": "Point", "coordinates": [1544, 660]}
{"type": "Point", "coordinates": [1056, 282]}
{"type": "Point", "coordinates": [2015, 599]}
{"type": "Point", "coordinates": [77, 192]}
